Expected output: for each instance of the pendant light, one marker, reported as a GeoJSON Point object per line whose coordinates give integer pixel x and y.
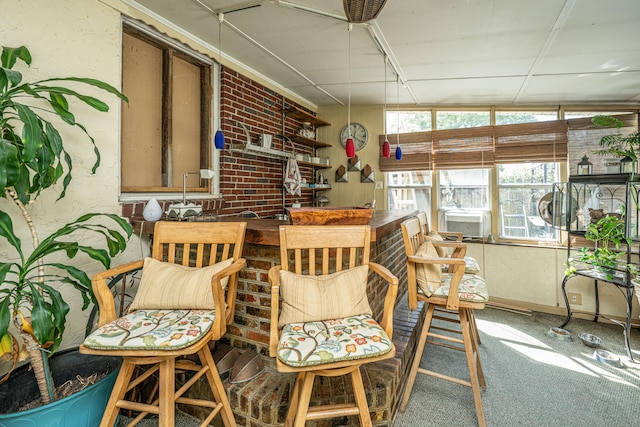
{"type": "Point", "coordinates": [386, 147]}
{"type": "Point", "coordinates": [350, 146]}
{"type": "Point", "coordinates": [398, 149]}
{"type": "Point", "coordinates": [218, 139]}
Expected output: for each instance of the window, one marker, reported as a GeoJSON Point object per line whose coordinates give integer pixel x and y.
{"type": "Point", "coordinates": [520, 188]}
{"type": "Point", "coordinates": [462, 119]}
{"type": "Point", "coordinates": [166, 126]}
{"type": "Point", "coordinates": [408, 121]}
{"type": "Point", "coordinates": [466, 189]}
{"type": "Point", "coordinates": [409, 190]}
{"type": "Point", "coordinates": [512, 117]}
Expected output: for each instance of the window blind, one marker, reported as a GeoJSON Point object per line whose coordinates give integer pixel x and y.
{"type": "Point", "coordinates": [531, 142]}
{"type": "Point", "coordinates": [416, 152]}
{"type": "Point", "coordinates": [463, 148]}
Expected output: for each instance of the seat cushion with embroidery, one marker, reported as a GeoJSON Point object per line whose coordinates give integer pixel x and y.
{"type": "Point", "coordinates": [173, 286]}
{"type": "Point", "coordinates": [328, 341]}
{"type": "Point", "coordinates": [311, 298]}
{"type": "Point", "coordinates": [472, 288]}
{"type": "Point", "coordinates": [428, 276]}
{"type": "Point", "coordinates": [471, 266]}
{"type": "Point", "coordinates": [152, 330]}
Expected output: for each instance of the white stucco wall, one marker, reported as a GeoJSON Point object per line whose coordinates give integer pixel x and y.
{"type": "Point", "coordinates": [78, 38]}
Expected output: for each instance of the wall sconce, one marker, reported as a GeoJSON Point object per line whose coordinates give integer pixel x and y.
{"type": "Point", "coordinates": [183, 210]}
{"type": "Point", "coordinates": [585, 167]}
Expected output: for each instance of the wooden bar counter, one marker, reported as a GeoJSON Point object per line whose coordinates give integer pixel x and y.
{"type": "Point", "coordinates": [265, 231]}
{"type": "Point", "coordinates": [262, 251]}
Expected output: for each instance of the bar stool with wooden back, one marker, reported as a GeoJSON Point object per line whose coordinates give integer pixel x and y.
{"type": "Point", "coordinates": [454, 291]}
{"type": "Point", "coordinates": [186, 298]}
{"type": "Point", "coordinates": [324, 325]}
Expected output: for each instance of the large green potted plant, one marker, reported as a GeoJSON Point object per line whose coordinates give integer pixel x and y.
{"type": "Point", "coordinates": [34, 157]}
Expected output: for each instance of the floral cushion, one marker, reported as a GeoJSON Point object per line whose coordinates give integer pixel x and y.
{"type": "Point", "coordinates": [471, 266]}
{"type": "Point", "coordinates": [472, 288]}
{"type": "Point", "coordinates": [328, 341]}
{"type": "Point", "coordinates": [152, 330]}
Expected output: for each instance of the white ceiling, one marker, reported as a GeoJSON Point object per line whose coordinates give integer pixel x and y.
{"type": "Point", "coordinates": [456, 52]}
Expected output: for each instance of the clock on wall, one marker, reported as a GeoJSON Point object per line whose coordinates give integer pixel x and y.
{"type": "Point", "coordinates": [358, 133]}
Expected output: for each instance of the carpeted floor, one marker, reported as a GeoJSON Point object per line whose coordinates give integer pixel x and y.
{"type": "Point", "coordinates": [532, 379]}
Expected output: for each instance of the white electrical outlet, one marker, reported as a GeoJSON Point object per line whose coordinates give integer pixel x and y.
{"type": "Point", "coordinates": [378, 185]}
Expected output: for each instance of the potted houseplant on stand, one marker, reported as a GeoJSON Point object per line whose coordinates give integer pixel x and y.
{"type": "Point", "coordinates": [33, 157]}
{"type": "Point", "coordinates": [607, 235]}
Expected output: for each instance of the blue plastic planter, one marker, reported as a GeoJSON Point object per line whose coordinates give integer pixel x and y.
{"type": "Point", "coordinates": [84, 408]}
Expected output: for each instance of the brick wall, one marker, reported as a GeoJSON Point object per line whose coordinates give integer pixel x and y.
{"type": "Point", "coordinates": [249, 181]}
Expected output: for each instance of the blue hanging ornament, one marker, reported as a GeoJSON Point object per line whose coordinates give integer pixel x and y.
{"type": "Point", "coordinates": [219, 140]}
{"type": "Point", "coordinates": [398, 153]}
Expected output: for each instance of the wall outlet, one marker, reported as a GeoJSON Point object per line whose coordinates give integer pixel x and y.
{"type": "Point", "coordinates": [378, 185]}
{"type": "Point", "coordinates": [575, 298]}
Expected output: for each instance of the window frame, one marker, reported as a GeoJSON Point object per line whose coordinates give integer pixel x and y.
{"type": "Point", "coordinates": [549, 186]}
{"type": "Point", "coordinates": [171, 50]}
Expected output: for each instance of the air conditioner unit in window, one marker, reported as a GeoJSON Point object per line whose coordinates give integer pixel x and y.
{"type": "Point", "coordinates": [469, 223]}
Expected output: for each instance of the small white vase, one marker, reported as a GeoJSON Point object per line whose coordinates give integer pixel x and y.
{"type": "Point", "coordinates": [152, 212]}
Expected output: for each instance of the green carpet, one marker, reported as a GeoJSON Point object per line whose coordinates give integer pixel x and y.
{"type": "Point", "coordinates": [532, 379]}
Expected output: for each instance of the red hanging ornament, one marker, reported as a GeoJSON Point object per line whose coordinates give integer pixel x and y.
{"type": "Point", "coordinates": [350, 146]}
{"type": "Point", "coordinates": [386, 149]}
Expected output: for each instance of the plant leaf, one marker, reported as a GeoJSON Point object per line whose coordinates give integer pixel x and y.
{"type": "Point", "coordinates": [5, 315]}
{"type": "Point", "coordinates": [9, 165]}
{"type": "Point", "coordinates": [6, 231]}
{"type": "Point", "coordinates": [32, 133]}
{"type": "Point", "coordinates": [11, 54]}
{"type": "Point", "coordinates": [41, 316]}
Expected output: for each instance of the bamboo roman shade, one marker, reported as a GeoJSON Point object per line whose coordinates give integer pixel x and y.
{"type": "Point", "coordinates": [481, 147]}
{"type": "Point", "coordinates": [463, 148]}
{"type": "Point", "coordinates": [416, 152]}
{"type": "Point", "coordinates": [531, 142]}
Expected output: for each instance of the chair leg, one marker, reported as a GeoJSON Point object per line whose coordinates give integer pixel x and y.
{"type": "Point", "coordinates": [422, 341]}
{"type": "Point", "coordinates": [361, 398]}
{"type": "Point", "coordinates": [474, 327]}
{"type": "Point", "coordinates": [118, 392]}
{"type": "Point", "coordinates": [472, 363]}
{"type": "Point", "coordinates": [475, 339]}
{"type": "Point", "coordinates": [217, 389]}
{"type": "Point", "coordinates": [297, 415]}
{"type": "Point", "coordinates": [167, 389]}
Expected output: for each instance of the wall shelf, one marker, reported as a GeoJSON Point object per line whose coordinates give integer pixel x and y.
{"type": "Point", "coordinates": [303, 116]}
{"type": "Point", "coordinates": [308, 142]}
{"type": "Point", "coordinates": [260, 151]}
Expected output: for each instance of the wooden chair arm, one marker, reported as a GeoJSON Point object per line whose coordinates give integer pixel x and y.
{"type": "Point", "coordinates": [449, 234]}
{"type": "Point", "coordinates": [274, 280]}
{"type": "Point", "coordinates": [232, 273]}
{"type": "Point", "coordinates": [104, 295]}
{"type": "Point", "coordinates": [390, 297]}
{"type": "Point", "coordinates": [435, 260]}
